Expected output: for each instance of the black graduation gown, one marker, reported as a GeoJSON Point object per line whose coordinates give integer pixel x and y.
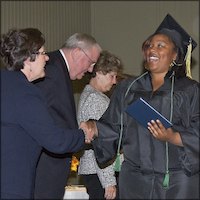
{"type": "Point", "coordinates": [144, 163]}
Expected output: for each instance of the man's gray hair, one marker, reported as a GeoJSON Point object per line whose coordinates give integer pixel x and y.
{"type": "Point", "coordinates": [80, 40]}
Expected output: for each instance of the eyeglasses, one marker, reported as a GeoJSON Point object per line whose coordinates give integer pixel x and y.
{"type": "Point", "coordinates": [93, 62]}
{"type": "Point", "coordinates": [41, 53]}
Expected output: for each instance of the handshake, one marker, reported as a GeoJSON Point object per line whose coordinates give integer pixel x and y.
{"type": "Point", "coordinates": [90, 130]}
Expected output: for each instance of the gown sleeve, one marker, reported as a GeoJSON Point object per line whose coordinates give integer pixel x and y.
{"type": "Point", "coordinates": [105, 145]}
{"type": "Point", "coordinates": [189, 130]}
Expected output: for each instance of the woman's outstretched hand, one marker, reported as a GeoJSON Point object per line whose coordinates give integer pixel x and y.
{"type": "Point", "coordinates": [90, 129]}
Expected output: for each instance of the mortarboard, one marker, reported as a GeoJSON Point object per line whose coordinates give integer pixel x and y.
{"type": "Point", "coordinates": [176, 32]}
{"type": "Point", "coordinates": [179, 36]}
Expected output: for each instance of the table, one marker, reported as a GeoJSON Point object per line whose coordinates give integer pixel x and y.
{"type": "Point", "coordinates": [75, 192]}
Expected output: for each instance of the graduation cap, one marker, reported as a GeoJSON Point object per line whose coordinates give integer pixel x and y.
{"type": "Point", "coordinates": [180, 37]}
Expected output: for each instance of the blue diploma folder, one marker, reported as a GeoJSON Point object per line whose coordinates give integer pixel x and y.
{"type": "Point", "coordinates": [141, 111]}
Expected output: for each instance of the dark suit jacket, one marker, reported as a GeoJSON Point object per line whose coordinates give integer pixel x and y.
{"type": "Point", "coordinates": [26, 127]}
{"type": "Point", "coordinates": [53, 170]}
{"type": "Point", "coordinates": [57, 88]}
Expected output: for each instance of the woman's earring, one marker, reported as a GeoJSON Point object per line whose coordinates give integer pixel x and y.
{"type": "Point", "coordinates": [172, 64]}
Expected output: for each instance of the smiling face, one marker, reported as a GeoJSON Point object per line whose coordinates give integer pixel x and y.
{"type": "Point", "coordinates": [35, 69]}
{"type": "Point", "coordinates": [83, 61]}
{"type": "Point", "coordinates": [159, 53]}
{"type": "Point", "coordinates": [39, 64]}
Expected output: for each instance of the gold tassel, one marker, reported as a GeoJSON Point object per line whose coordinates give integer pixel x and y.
{"type": "Point", "coordinates": [188, 59]}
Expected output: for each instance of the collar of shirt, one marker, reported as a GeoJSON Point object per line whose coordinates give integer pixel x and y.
{"type": "Point", "coordinates": [62, 53]}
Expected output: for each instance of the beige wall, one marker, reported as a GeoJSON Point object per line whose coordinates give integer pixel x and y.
{"type": "Point", "coordinates": [56, 19]}
{"type": "Point", "coordinates": [122, 26]}
{"type": "Point", "coordinates": [119, 26]}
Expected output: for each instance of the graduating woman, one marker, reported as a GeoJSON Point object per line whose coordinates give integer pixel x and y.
{"type": "Point", "coordinates": [159, 163]}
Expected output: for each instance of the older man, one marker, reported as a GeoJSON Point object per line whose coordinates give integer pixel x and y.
{"type": "Point", "coordinates": [77, 56]}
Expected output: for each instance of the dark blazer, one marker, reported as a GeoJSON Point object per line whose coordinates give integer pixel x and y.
{"type": "Point", "coordinates": [53, 170]}
{"type": "Point", "coordinates": [26, 127]}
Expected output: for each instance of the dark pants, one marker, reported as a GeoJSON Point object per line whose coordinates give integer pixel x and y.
{"type": "Point", "coordinates": [93, 186]}
{"type": "Point", "coordinates": [51, 177]}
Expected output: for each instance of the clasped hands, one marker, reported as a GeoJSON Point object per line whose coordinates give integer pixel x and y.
{"type": "Point", "coordinates": [90, 129]}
